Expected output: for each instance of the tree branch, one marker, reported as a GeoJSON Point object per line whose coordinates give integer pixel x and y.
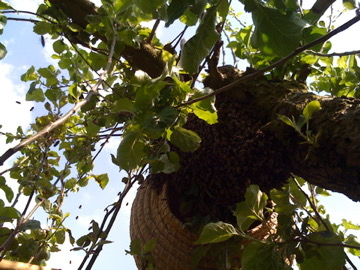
{"type": "Point", "coordinates": [335, 53]}
{"type": "Point", "coordinates": [260, 72]}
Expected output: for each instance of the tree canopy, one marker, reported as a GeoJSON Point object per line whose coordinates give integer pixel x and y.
{"type": "Point", "coordinates": [229, 140]}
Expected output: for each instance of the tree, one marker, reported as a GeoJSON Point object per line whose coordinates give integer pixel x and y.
{"type": "Point", "coordinates": [241, 131]}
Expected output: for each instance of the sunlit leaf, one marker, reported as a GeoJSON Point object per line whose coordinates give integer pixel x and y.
{"type": "Point", "coordinates": [7, 214]}
{"type": "Point", "coordinates": [131, 151]}
{"type": "Point", "coordinates": [276, 33]}
{"type": "Point", "coordinates": [5, 5]}
{"type": "Point", "coordinates": [3, 51]}
{"type": "Point", "coordinates": [252, 208]}
{"type": "Point", "coordinates": [60, 236]}
{"type": "Point", "coordinates": [59, 46]}
{"type": "Point", "coordinates": [205, 110]}
{"type": "Point", "coordinates": [102, 179]}
{"type": "Point", "coordinates": [199, 46]}
{"type": "Point", "coordinates": [349, 4]}
{"type": "Point", "coordinates": [35, 94]}
{"type": "Point", "coordinates": [310, 108]}
{"type": "Point", "coordinates": [216, 232]}
{"type": "Point", "coordinates": [186, 140]}
{"type": "Point", "coordinates": [349, 225]}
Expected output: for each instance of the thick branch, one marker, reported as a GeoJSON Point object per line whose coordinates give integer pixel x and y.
{"type": "Point", "coordinates": [333, 162]}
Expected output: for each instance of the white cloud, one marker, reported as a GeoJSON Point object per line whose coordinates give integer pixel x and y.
{"type": "Point", "coordinates": [14, 109]}
{"type": "Point", "coordinates": [29, 5]}
{"type": "Point", "coordinates": [66, 259]}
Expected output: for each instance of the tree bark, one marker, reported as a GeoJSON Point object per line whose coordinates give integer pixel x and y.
{"type": "Point", "coordinates": [333, 162]}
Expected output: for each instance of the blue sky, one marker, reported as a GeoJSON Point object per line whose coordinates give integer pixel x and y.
{"type": "Point", "coordinates": [24, 50]}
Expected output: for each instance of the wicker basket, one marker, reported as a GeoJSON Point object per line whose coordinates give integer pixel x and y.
{"type": "Point", "coordinates": [151, 218]}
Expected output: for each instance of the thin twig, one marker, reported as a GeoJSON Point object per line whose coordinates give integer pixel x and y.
{"type": "Point", "coordinates": [282, 61]}
{"type": "Point", "coordinates": [22, 20]}
{"type": "Point", "coordinates": [27, 12]}
{"type": "Point", "coordinates": [305, 239]}
{"type": "Point", "coordinates": [311, 204]}
{"type": "Point", "coordinates": [335, 53]}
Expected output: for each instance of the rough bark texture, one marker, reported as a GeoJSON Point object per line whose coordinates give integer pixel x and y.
{"type": "Point", "coordinates": [334, 162]}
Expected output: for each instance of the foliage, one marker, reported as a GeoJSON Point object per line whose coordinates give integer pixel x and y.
{"type": "Point", "coordinates": [96, 92]}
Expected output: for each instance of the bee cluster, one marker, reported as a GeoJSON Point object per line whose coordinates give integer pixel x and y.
{"type": "Point", "coordinates": [234, 153]}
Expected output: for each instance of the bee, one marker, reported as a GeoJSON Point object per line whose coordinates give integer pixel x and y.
{"type": "Point", "coordinates": [42, 39]}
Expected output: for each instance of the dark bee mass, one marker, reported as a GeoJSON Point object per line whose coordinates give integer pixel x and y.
{"type": "Point", "coordinates": [234, 153]}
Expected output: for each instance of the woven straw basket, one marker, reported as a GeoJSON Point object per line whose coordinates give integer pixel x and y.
{"type": "Point", "coordinates": [151, 218]}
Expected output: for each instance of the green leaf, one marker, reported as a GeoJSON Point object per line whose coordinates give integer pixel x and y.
{"type": "Point", "coordinates": [59, 46]}
{"type": "Point", "coordinates": [7, 214]}
{"type": "Point", "coordinates": [121, 5]}
{"type": "Point", "coordinates": [199, 46]}
{"type": "Point", "coordinates": [4, 5]}
{"type": "Point", "coordinates": [258, 255]}
{"type": "Point", "coordinates": [147, 93]}
{"type": "Point", "coordinates": [298, 196]}
{"type": "Point", "coordinates": [276, 33]}
{"type": "Point", "coordinates": [50, 74]}
{"type": "Point", "coordinates": [349, 4]}
{"type": "Point", "coordinates": [3, 51]}
{"type": "Point", "coordinates": [71, 183]}
{"type": "Point", "coordinates": [171, 162]}
{"type": "Point", "coordinates": [223, 8]}
{"type": "Point", "coordinates": [215, 233]}
{"type": "Point", "coordinates": [8, 191]}
{"type": "Point", "coordinates": [43, 28]}
{"type": "Point", "coordinates": [30, 75]}
{"type": "Point", "coordinates": [60, 237]}
{"type": "Point", "coordinates": [252, 208]}
{"type": "Point", "coordinates": [287, 120]}
{"type": "Point", "coordinates": [35, 94]}
{"type": "Point", "coordinates": [130, 153]}
{"type": "Point", "coordinates": [349, 225]}
{"type": "Point", "coordinates": [186, 140]}
{"type": "Point", "coordinates": [102, 179]}
{"type": "Point", "coordinates": [322, 191]}
{"type": "Point", "coordinates": [121, 105]}
{"type": "Point", "coordinates": [318, 256]}
{"type": "Point", "coordinates": [74, 90]}
{"type": "Point", "coordinates": [168, 115]}
{"type": "Point", "coordinates": [176, 9]}
{"type": "Point", "coordinates": [310, 108]}
{"type": "Point", "coordinates": [205, 110]}
{"type": "Point", "coordinates": [352, 240]}
{"type": "Point", "coordinates": [92, 129]}
{"type": "Point", "coordinates": [3, 21]}
{"type": "Point", "coordinates": [149, 245]}
{"type": "Point", "coordinates": [30, 225]}
{"type": "Point", "coordinates": [148, 6]}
